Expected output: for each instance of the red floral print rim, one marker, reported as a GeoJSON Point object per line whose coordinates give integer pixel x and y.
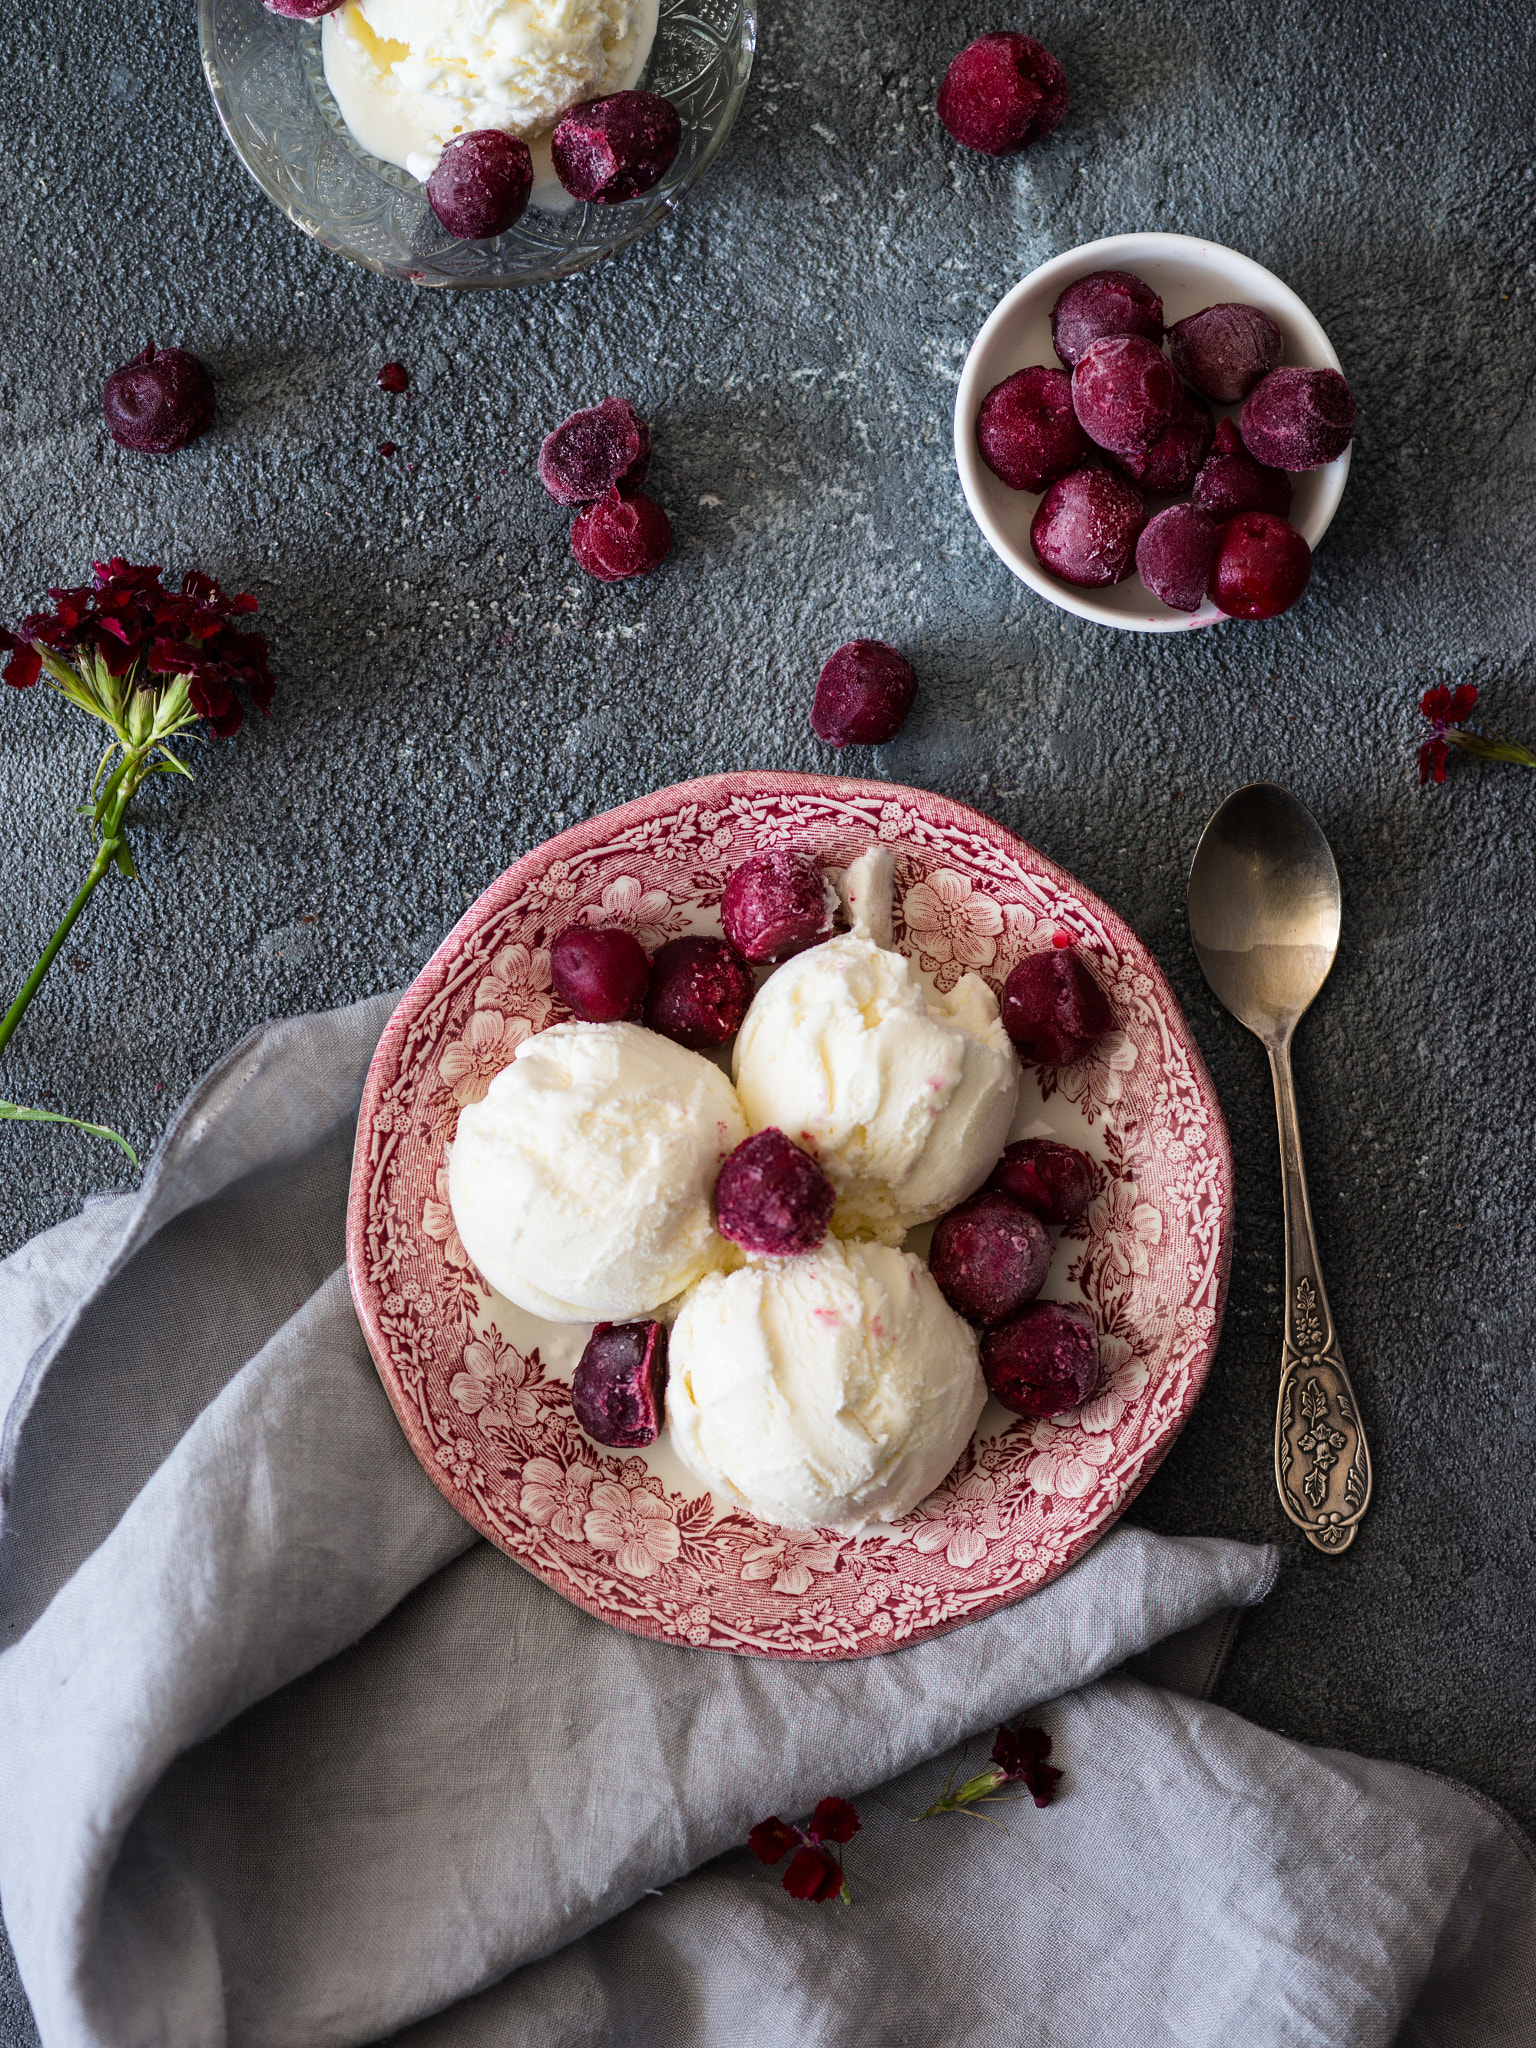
{"type": "Point", "coordinates": [482, 1390]}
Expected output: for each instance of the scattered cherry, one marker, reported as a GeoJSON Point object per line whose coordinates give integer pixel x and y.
{"type": "Point", "coordinates": [1026, 429]}
{"type": "Point", "coordinates": [159, 402]}
{"type": "Point", "coordinates": [1002, 93]}
{"type": "Point", "coordinates": [699, 993]}
{"type": "Point", "coordinates": [1125, 393]}
{"type": "Point", "coordinates": [776, 904]}
{"type": "Point", "coordinates": [1230, 481]}
{"type": "Point", "coordinates": [1054, 1180]}
{"type": "Point", "coordinates": [1262, 566]}
{"type": "Point", "coordinates": [303, 10]}
{"type": "Point", "coordinates": [1224, 350]}
{"type": "Point", "coordinates": [1175, 555]}
{"type": "Point", "coordinates": [618, 1391]}
{"type": "Point", "coordinates": [599, 974]}
{"type": "Point", "coordinates": [1053, 1009]}
{"type": "Point", "coordinates": [989, 1257]}
{"type": "Point", "coordinates": [863, 695]}
{"type": "Point", "coordinates": [481, 184]}
{"type": "Point", "coordinates": [619, 537]}
{"type": "Point", "coordinates": [1085, 528]}
{"type": "Point", "coordinates": [394, 378]}
{"type": "Point", "coordinates": [1043, 1362]}
{"type": "Point", "coordinates": [1298, 419]}
{"type": "Point", "coordinates": [1105, 302]}
{"type": "Point", "coordinates": [772, 1198]}
{"type": "Point", "coordinates": [613, 149]}
{"type": "Point", "coordinates": [1172, 461]}
{"type": "Point", "coordinates": [388, 448]}
{"type": "Point", "coordinates": [603, 447]}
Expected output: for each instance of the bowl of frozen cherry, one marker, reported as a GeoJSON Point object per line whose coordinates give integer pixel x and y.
{"type": "Point", "coordinates": [1154, 432]}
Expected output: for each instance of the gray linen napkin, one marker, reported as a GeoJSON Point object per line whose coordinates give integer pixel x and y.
{"type": "Point", "coordinates": [288, 1757]}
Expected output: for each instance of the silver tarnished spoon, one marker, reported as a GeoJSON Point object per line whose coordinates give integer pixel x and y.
{"type": "Point", "coordinates": [1264, 917]}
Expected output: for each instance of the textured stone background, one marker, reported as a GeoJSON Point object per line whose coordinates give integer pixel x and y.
{"type": "Point", "coordinates": [451, 689]}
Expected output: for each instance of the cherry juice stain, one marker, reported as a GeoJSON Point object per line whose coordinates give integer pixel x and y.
{"type": "Point", "coordinates": [388, 448]}
{"type": "Point", "coordinates": [394, 377]}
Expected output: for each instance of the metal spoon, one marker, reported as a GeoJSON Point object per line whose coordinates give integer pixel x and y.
{"type": "Point", "coordinates": [1264, 917]}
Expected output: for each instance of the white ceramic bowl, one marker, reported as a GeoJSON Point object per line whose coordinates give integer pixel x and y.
{"type": "Point", "coordinates": [1187, 274]}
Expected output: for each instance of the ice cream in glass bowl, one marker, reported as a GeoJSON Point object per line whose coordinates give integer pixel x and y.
{"type": "Point", "coordinates": [341, 120]}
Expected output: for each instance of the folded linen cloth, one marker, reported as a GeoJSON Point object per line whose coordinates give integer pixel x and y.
{"type": "Point", "coordinates": [288, 1757]}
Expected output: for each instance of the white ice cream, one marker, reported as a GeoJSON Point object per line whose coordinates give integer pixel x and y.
{"type": "Point", "coordinates": [583, 1185]}
{"type": "Point", "coordinates": [409, 75]}
{"type": "Point", "coordinates": [904, 1095]}
{"type": "Point", "coordinates": [828, 1391]}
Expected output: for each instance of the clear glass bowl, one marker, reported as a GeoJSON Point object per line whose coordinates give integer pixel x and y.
{"type": "Point", "coordinates": [265, 74]}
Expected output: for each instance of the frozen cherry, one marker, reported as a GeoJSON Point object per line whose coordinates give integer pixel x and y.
{"type": "Point", "coordinates": [1085, 528]}
{"type": "Point", "coordinates": [159, 402]}
{"type": "Point", "coordinates": [619, 1389]}
{"type": "Point", "coordinates": [618, 537]}
{"type": "Point", "coordinates": [1026, 429]}
{"type": "Point", "coordinates": [1053, 1009]}
{"type": "Point", "coordinates": [776, 904]}
{"type": "Point", "coordinates": [1225, 350]}
{"type": "Point", "coordinates": [616, 148]}
{"type": "Point", "coordinates": [1230, 481]}
{"type": "Point", "coordinates": [863, 695]}
{"type": "Point", "coordinates": [598, 973]}
{"type": "Point", "coordinates": [1125, 393]}
{"type": "Point", "coordinates": [989, 1257]}
{"type": "Point", "coordinates": [1262, 566]}
{"type": "Point", "coordinates": [1043, 1362]}
{"type": "Point", "coordinates": [1175, 554]}
{"type": "Point", "coordinates": [481, 184]}
{"type": "Point", "coordinates": [1173, 459]}
{"type": "Point", "coordinates": [1105, 302]}
{"type": "Point", "coordinates": [699, 992]}
{"type": "Point", "coordinates": [303, 10]}
{"type": "Point", "coordinates": [1002, 93]}
{"type": "Point", "coordinates": [1054, 1180]}
{"type": "Point", "coordinates": [603, 447]}
{"type": "Point", "coordinates": [1298, 419]}
{"type": "Point", "coordinates": [772, 1198]}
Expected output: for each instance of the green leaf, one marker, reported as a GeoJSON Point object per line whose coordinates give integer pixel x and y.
{"type": "Point", "coordinates": [13, 1112]}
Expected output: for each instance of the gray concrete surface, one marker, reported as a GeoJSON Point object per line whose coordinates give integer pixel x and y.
{"type": "Point", "coordinates": [451, 689]}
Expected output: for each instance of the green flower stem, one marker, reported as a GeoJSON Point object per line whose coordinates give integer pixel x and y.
{"type": "Point", "coordinates": [113, 847]}
{"type": "Point", "coordinates": [1492, 747]}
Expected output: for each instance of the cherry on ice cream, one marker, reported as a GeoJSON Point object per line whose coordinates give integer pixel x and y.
{"type": "Point", "coordinates": [1085, 527]}
{"type": "Point", "coordinates": [1125, 393]}
{"type": "Point", "coordinates": [619, 1389]}
{"type": "Point", "coordinates": [620, 537]}
{"type": "Point", "coordinates": [776, 904]}
{"type": "Point", "coordinates": [1230, 481]}
{"type": "Point", "coordinates": [1026, 429]}
{"type": "Point", "coordinates": [863, 695]}
{"type": "Point", "coordinates": [1054, 1180]}
{"type": "Point", "coordinates": [1053, 1009]}
{"type": "Point", "coordinates": [159, 402]}
{"type": "Point", "coordinates": [1105, 302]}
{"type": "Point", "coordinates": [699, 993]}
{"type": "Point", "coordinates": [599, 974]}
{"type": "Point", "coordinates": [1043, 1362]}
{"type": "Point", "coordinates": [1171, 462]}
{"type": "Point", "coordinates": [1002, 93]}
{"type": "Point", "coordinates": [1175, 554]}
{"type": "Point", "coordinates": [481, 184]}
{"type": "Point", "coordinates": [1262, 566]}
{"type": "Point", "coordinates": [1298, 419]}
{"type": "Point", "coordinates": [1224, 350]}
{"type": "Point", "coordinates": [602, 447]}
{"type": "Point", "coordinates": [772, 1198]}
{"type": "Point", "coordinates": [989, 1257]}
{"type": "Point", "coordinates": [614, 149]}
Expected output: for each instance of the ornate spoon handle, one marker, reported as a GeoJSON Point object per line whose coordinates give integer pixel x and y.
{"type": "Point", "coordinates": [1322, 1464]}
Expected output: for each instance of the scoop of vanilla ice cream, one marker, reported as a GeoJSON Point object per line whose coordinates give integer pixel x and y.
{"type": "Point", "coordinates": [823, 1392]}
{"type": "Point", "coordinates": [904, 1095]}
{"type": "Point", "coordinates": [583, 1185]}
{"type": "Point", "coordinates": [409, 75]}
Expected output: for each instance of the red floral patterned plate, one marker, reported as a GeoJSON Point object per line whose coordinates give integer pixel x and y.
{"type": "Point", "coordinates": [482, 1389]}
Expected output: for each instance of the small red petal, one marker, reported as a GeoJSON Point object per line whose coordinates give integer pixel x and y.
{"type": "Point", "coordinates": [834, 1821]}
{"type": "Point", "coordinates": [771, 1839]}
{"type": "Point", "coordinates": [23, 668]}
{"type": "Point", "coordinates": [813, 1874]}
{"type": "Point", "coordinates": [1463, 698]}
